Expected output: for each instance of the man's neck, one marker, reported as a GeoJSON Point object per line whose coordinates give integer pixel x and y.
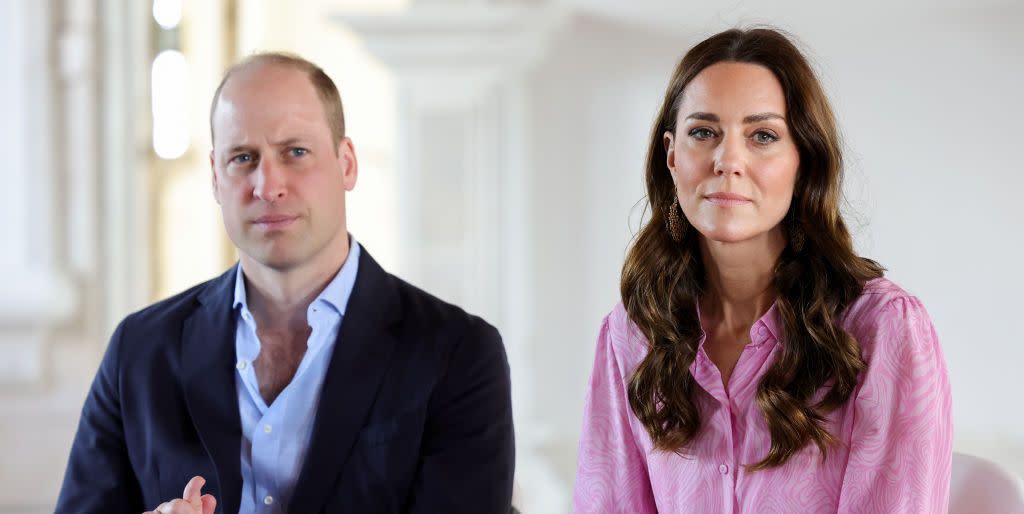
{"type": "Point", "coordinates": [279, 298]}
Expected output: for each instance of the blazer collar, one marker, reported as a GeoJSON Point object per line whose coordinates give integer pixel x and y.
{"type": "Point", "coordinates": [208, 380]}
{"type": "Point", "coordinates": [362, 355]}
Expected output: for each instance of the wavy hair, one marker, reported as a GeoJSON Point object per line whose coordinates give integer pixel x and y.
{"type": "Point", "coordinates": [663, 280]}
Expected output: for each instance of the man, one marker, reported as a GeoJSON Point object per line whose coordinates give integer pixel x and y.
{"type": "Point", "coordinates": [305, 379]}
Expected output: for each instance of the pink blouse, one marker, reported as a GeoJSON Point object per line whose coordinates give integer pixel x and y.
{"type": "Point", "coordinates": [895, 430]}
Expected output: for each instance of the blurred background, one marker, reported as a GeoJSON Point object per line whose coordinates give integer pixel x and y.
{"type": "Point", "coordinates": [501, 145]}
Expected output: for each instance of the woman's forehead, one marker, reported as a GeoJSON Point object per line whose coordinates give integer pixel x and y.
{"type": "Point", "coordinates": [732, 89]}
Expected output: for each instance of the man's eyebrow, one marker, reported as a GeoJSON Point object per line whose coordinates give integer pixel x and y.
{"type": "Point", "coordinates": [239, 148]}
{"type": "Point", "coordinates": [249, 148]}
{"type": "Point", "coordinates": [288, 142]}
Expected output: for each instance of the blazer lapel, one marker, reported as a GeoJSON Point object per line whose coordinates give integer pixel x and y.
{"type": "Point", "coordinates": [360, 360]}
{"type": "Point", "coordinates": [208, 379]}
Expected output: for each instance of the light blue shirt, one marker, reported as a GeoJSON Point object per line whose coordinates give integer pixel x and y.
{"type": "Point", "coordinates": [275, 437]}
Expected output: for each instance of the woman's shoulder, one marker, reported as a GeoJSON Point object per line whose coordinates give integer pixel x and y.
{"type": "Point", "coordinates": [879, 298]}
{"type": "Point", "coordinates": [624, 337]}
{"type": "Point", "coordinates": [877, 294]}
{"type": "Point", "coordinates": [885, 313]}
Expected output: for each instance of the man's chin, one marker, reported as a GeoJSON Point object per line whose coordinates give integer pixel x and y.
{"type": "Point", "coordinates": [276, 260]}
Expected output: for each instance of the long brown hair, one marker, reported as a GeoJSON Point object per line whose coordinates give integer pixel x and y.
{"type": "Point", "coordinates": [663, 280]}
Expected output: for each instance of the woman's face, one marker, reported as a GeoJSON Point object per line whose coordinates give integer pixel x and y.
{"type": "Point", "coordinates": [732, 157]}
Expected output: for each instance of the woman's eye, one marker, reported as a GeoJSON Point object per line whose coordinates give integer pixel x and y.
{"type": "Point", "coordinates": [764, 138]}
{"type": "Point", "coordinates": [702, 133]}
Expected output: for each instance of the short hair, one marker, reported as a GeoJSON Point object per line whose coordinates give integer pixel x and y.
{"type": "Point", "coordinates": [325, 88]}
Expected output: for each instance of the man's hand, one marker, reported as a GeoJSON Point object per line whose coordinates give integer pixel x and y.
{"type": "Point", "coordinates": [191, 501]}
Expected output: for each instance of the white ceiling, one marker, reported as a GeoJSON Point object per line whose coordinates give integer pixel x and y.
{"type": "Point", "coordinates": [701, 18]}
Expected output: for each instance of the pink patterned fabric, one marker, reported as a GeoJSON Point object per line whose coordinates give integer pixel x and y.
{"type": "Point", "coordinates": [895, 431]}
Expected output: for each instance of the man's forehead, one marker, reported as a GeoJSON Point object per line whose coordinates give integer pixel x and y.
{"type": "Point", "coordinates": [269, 82]}
{"type": "Point", "coordinates": [238, 122]}
{"type": "Point", "coordinates": [265, 100]}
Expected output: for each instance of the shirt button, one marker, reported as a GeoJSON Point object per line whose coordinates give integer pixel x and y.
{"type": "Point", "coordinates": [246, 316]}
{"type": "Point", "coordinates": [267, 500]}
{"type": "Point", "coordinates": [724, 469]}
{"type": "Point", "coordinates": [241, 365]}
{"type": "Point", "coordinates": [267, 428]}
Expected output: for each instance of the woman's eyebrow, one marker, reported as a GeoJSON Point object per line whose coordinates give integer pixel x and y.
{"type": "Point", "coordinates": [763, 116]}
{"type": "Point", "coordinates": [703, 116]}
{"type": "Point", "coordinates": [753, 118]}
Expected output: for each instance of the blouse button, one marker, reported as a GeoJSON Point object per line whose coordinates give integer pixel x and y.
{"type": "Point", "coordinates": [724, 469]}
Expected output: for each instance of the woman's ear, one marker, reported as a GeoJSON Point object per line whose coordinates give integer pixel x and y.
{"type": "Point", "coordinates": [670, 153]}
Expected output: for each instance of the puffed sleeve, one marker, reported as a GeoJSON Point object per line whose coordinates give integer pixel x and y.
{"type": "Point", "coordinates": [901, 446]}
{"type": "Point", "coordinates": [611, 474]}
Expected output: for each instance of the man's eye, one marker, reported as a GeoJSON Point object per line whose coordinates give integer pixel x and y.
{"type": "Point", "coordinates": [764, 138]}
{"type": "Point", "coordinates": [702, 133]}
{"type": "Point", "coordinates": [241, 159]}
{"type": "Point", "coordinates": [298, 152]}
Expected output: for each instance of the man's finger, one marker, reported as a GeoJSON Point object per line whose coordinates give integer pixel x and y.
{"type": "Point", "coordinates": [193, 490]}
{"type": "Point", "coordinates": [177, 506]}
{"type": "Point", "coordinates": [209, 504]}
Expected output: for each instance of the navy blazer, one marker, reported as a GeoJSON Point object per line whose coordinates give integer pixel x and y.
{"type": "Point", "coordinates": [414, 416]}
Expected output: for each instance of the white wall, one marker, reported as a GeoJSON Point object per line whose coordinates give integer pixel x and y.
{"type": "Point", "coordinates": [934, 119]}
{"type": "Point", "coordinates": [928, 103]}
{"type": "Point", "coordinates": [593, 101]}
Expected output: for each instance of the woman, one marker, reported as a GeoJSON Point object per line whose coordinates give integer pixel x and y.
{"type": "Point", "coordinates": [756, 363]}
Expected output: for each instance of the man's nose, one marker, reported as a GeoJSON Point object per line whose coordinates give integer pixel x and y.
{"type": "Point", "coordinates": [270, 181]}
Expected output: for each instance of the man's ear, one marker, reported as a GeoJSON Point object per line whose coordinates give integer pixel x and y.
{"type": "Point", "coordinates": [213, 178]}
{"type": "Point", "coordinates": [348, 162]}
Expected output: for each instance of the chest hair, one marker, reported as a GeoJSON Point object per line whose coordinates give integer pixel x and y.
{"type": "Point", "coordinates": [279, 358]}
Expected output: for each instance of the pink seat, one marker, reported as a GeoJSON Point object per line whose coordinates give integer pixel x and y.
{"type": "Point", "coordinates": [980, 486]}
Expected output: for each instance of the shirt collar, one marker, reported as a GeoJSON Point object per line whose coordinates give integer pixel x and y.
{"type": "Point", "coordinates": [769, 322]}
{"type": "Point", "coordinates": [337, 292]}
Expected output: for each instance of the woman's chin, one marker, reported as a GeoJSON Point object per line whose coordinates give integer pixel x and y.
{"type": "Point", "coordinates": [728, 235]}
{"type": "Point", "coordinates": [766, 239]}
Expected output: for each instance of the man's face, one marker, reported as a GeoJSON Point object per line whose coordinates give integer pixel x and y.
{"type": "Point", "coordinates": [278, 176]}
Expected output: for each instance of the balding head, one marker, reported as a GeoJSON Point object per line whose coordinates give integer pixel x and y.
{"type": "Point", "coordinates": [324, 86]}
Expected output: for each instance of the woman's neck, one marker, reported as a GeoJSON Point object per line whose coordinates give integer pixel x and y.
{"type": "Point", "coordinates": [740, 280]}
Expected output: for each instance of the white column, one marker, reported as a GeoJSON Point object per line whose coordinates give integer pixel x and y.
{"type": "Point", "coordinates": [463, 169]}
{"type": "Point", "coordinates": [36, 293]}
{"type": "Point", "coordinates": [71, 236]}
{"type": "Point", "coordinates": [124, 69]}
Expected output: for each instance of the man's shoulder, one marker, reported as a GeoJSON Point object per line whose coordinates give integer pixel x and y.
{"type": "Point", "coordinates": [171, 310]}
{"type": "Point", "coordinates": [420, 308]}
{"type": "Point", "coordinates": [441, 340]}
